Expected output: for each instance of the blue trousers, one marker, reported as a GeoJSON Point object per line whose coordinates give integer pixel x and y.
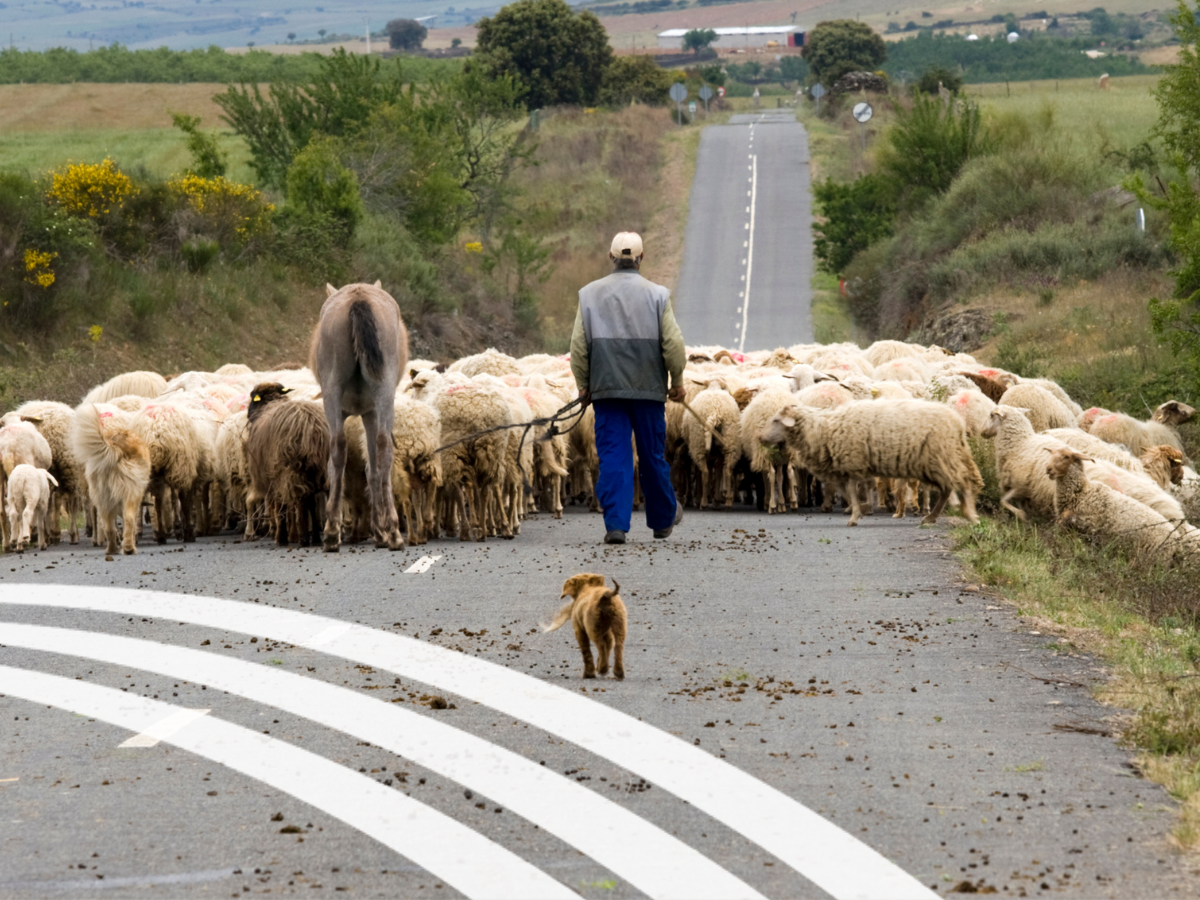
{"type": "Point", "coordinates": [646, 420]}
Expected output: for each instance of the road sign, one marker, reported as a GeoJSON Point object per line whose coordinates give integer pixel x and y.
{"type": "Point", "coordinates": [678, 93]}
{"type": "Point", "coordinates": [692, 107]}
{"type": "Point", "coordinates": [862, 113]}
{"type": "Point", "coordinates": [818, 91]}
{"type": "Point", "coordinates": [720, 92]}
{"type": "Point", "coordinates": [706, 94]}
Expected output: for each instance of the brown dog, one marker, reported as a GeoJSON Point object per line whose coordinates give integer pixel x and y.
{"type": "Point", "coordinates": [599, 614]}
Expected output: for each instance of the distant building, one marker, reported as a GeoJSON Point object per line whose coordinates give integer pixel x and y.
{"type": "Point", "coordinates": [735, 38]}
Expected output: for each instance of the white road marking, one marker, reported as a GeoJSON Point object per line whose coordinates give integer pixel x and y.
{"type": "Point", "coordinates": [424, 564]}
{"type": "Point", "coordinates": [325, 635]}
{"type": "Point", "coordinates": [832, 859]}
{"type": "Point", "coordinates": [160, 731]}
{"type": "Point", "coordinates": [648, 858]}
{"type": "Point", "coordinates": [749, 252]}
{"type": "Point", "coordinates": [465, 860]}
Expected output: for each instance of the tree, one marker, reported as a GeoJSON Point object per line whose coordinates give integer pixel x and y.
{"type": "Point", "coordinates": [1178, 127]}
{"type": "Point", "coordinates": [698, 39]}
{"type": "Point", "coordinates": [324, 190]}
{"type": "Point", "coordinates": [843, 45]}
{"type": "Point", "coordinates": [856, 215]}
{"type": "Point", "coordinates": [938, 75]}
{"type": "Point", "coordinates": [639, 78]}
{"type": "Point", "coordinates": [321, 32]}
{"type": "Point", "coordinates": [337, 101]}
{"type": "Point", "coordinates": [558, 55]}
{"type": "Point", "coordinates": [405, 34]}
{"type": "Point", "coordinates": [455, 43]}
{"type": "Point", "coordinates": [208, 160]}
{"type": "Point", "coordinates": [291, 36]}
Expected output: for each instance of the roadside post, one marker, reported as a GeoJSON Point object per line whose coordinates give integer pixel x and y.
{"type": "Point", "coordinates": [706, 94]}
{"type": "Point", "coordinates": [818, 91]}
{"type": "Point", "coordinates": [862, 113]}
{"type": "Point", "coordinates": [692, 108]}
{"type": "Point", "coordinates": [678, 93]}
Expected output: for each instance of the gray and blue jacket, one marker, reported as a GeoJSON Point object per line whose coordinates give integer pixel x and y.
{"type": "Point", "coordinates": [626, 341]}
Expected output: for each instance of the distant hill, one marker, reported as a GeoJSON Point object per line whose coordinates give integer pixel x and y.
{"type": "Point", "coordinates": [188, 24]}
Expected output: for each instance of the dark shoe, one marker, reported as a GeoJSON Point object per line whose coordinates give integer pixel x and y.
{"type": "Point", "coordinates": [615, 537]}
{"type": "Point", "coordinates": [661, 533]}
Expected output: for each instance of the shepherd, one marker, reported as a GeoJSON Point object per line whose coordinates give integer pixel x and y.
{"type": "Point", "coordinates": [625, 344]}
{"type": "Point", "coordinates": [359, 349]}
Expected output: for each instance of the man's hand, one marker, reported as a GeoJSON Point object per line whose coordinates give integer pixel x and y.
{"type": "Point", "coordinates": [677, 394]}
{"type": "Point", "coordinates": [585, 396]}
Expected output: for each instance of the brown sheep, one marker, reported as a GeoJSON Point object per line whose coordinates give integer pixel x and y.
{"type": "Point", "coordinates": [287, 451]}
{"type": "Point", "coordinates": [992, 388]}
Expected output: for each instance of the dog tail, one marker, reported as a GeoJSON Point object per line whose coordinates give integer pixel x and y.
{"type": "Point", "coordinates": [606, 610]}
{"type": "Point", "coordinates": [559, 620]}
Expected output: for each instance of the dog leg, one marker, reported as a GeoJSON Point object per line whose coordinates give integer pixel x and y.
{"type": "Point", "coordinates": [603, 644]}
{"type": "Point", "coordinates": [589, 666]}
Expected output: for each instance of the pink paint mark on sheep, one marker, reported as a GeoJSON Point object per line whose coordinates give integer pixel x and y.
{"type": "Point", "coordinates": [459, 388]}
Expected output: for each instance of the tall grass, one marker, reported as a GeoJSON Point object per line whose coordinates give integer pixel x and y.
{"type": "Point", "coordinates": [595, 174]}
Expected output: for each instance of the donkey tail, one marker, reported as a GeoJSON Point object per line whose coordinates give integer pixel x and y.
{"type": "Point", "coordinates": [365, 335]}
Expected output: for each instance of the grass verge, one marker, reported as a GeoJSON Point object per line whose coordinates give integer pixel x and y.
{"type": "Point", "coordinates": [1140, 620]}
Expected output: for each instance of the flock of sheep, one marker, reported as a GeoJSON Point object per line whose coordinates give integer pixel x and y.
{"type": "Point", "coordinates": [881, 427]}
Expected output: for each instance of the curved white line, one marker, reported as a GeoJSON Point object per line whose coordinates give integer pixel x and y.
{"type": "Point", "coordinates": [835, 861]}
{"type": "Point", "coordinates": [647, 857]}
{"type": "Point", "coordinates": [465, 860]}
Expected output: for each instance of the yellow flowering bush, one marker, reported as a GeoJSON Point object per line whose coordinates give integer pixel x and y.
{"type": "Point", "coordinates": [473, 247]}
{"type": "Point", "coordinates": [37, 267]}
{"type": "Point", "coordinates": [90, 190]}
{"type": "Point", "coordinates": [225, 205]}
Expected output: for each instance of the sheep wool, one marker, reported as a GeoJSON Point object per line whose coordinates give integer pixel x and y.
{"type": "Point", "coordinates": [1045, 411]}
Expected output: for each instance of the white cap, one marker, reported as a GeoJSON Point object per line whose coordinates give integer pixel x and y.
{"type": "Point", "coordinates": [626, 245]}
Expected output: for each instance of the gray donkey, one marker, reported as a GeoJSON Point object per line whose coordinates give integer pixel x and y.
{"type": "Point", "coordinates": [359, 349]}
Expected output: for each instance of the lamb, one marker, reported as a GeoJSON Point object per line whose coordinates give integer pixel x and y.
{"type": "Point", "coordinates": [116, 465]}
{"type": "Point", "coordinates": [28, 504]}
{"type": "Point", "coordinates": [141, 384]}
{"type": "Point", "coordinates": [910, 439]}
{"type": "Point", "coordinates": [1098, 510]}
{"type": "Point", "coordinates": [54, 421]}
{"type": "Point", "coordinates": [1044, 410]}
{"type": "Point", "coordinates": [716, 457]}
{"type": "Point", "coordinates": [287, 449]}
{"type": "Point", "coordinates": [1118, 428]}
{"type": "Point", "coordinates": [20, 444]}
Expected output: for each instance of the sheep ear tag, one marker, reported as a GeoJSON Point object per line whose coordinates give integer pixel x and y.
{"type": "Point", "coordinates": [788, 422]}
{"type": "Point", "coordinates": [257, 398]}
{"type": "Point", "coordinates": [285, 390]}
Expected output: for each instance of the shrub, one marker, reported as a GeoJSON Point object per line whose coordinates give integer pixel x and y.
{"type": "Point", "coordinates": [90, 190]}
{"type": "Point", "coordinates": [843, 45]}
{"type": "Point", "coordinates": [318, 184]}
{"type": "Point", "coordinates": [231, 214]}
{"type": "Point", "coordinates": [934, 76]}
{"type": "Point", "coordinates": [635, 78]}
{"type": "Point", "coordinates": [208, 160]}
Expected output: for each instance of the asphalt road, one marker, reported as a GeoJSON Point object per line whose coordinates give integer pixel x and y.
{"type": "Point", "coordinates": [777, 668]}
{"type": "Point", "coordinates": [747, 257]}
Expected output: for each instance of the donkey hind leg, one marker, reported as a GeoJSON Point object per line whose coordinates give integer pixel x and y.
{"type": "Point", "coordinates": [381, 455]}
{"type": "Point", "coordinates": [337, 470]}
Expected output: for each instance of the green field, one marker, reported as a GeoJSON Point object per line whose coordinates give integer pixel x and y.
{"type": "Point", "coordinates": [160, 151]}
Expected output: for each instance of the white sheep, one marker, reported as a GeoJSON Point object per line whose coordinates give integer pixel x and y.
{"type": "Point", "coordinates": [714, 441]}
{"type": "Point", "coordinates": [490, 362]}
{"type": "Point", "coordinates": [1098, 510]}
{"type": "Point", "coordinates": [974, 408]}
{"type": "Point", "coordinates": [28, 504]}
{"type": "Point", "coordinates": [54, 421]}
{"type": "Point", "coordinates": [1090, 445]}
{"type": "Point", "coordinates": [20, 444]}
{"type": "Point", "coordinates": [1044, 410]}
{"type": "Point", "coordinates": [766, 459]}
{"type": "Point", "coordinates": [116, 464]}
{"type": "Point", "coordinates": [141, 384]}
{"type": "Point", "coordinates": [180, 451]}
{"type": "Point", "coordinates": [909, 439]}
{"type": "Point", "coordinates": [1118, 428]}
